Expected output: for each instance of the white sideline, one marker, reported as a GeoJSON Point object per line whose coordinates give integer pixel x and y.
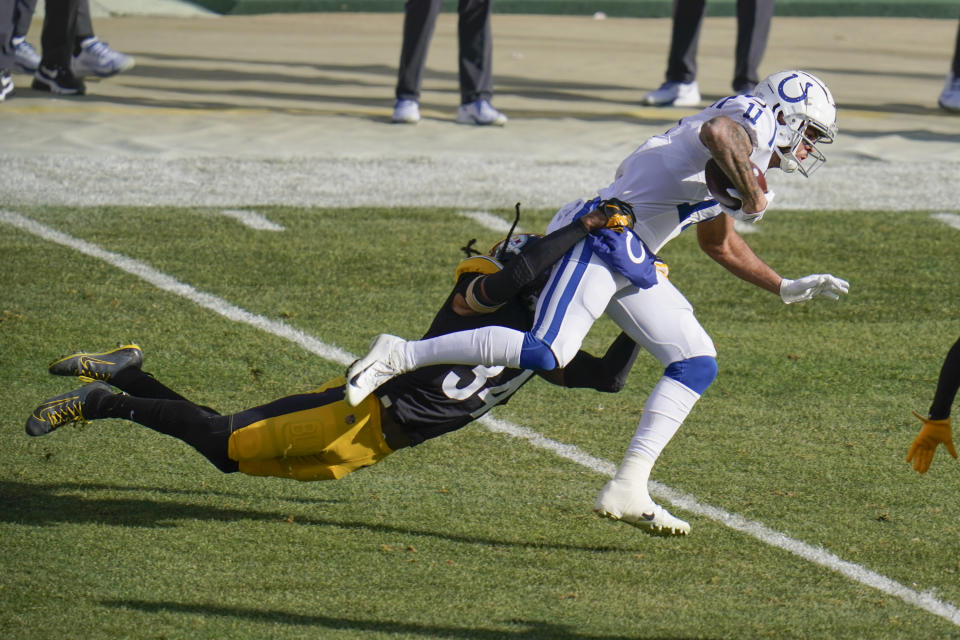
{"type": "Point", "coordinates": [681, 500]}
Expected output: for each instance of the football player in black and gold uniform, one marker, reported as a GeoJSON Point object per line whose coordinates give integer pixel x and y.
{"type": "Point", "coordinates": [317, 435]}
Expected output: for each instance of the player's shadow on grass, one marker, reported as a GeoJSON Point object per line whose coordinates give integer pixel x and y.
{"type": "Point", "coordinates": [523, 629]}
{"type": "Point", "coordinates": [47, 505]}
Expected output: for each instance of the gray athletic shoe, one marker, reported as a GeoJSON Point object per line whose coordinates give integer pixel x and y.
{"type": "Point", "coordinates": [98, 366]}
{"type": "Point", "coordinates": [63, 409]}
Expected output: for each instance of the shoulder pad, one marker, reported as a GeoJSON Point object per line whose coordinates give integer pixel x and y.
{"type": "Point", "coordinates": [477, 264]}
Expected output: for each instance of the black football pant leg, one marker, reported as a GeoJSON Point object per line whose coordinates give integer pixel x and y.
{"type": "Point", "coordinates": [149, 403]}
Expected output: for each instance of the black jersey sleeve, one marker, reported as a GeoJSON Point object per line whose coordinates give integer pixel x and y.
{"type": "Point", "coordinates": [608, 373]}
{"type": "Point", "coordinates": [525, 268]}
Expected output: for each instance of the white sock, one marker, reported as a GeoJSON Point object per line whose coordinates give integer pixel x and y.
{"type": "Point", "coordinates": [489, 346]}
{"type": "Point", "coordinates": [665, 410]}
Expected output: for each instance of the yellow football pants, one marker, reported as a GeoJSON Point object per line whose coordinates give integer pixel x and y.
{"type": "Point", "coordinates": [325, 442]}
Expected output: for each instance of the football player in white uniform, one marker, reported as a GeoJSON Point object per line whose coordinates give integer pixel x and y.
{"type": "Point", "coordinates": [661, 190]}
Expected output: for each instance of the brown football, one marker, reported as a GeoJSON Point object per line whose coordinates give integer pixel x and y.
{"type": "Point", "coordinates": [718, 183]}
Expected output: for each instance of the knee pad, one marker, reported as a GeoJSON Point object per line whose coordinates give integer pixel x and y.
{"type": "Point", "coordinates": [694, 373]}
{"type": "Point", "coordinates": [536, 354]}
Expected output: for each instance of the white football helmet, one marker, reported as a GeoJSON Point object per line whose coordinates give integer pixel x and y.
{"type": "Point", "coordinates": [808, 113]}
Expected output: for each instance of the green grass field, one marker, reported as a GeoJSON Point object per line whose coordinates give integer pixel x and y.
{"type": "Point", "coordinates": [112, 531]}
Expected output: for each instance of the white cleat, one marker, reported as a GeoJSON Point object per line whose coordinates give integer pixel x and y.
{"type": "Point", "coordinates": [619, 502]}
{"type": "Point", "coordinates": [382, 363]}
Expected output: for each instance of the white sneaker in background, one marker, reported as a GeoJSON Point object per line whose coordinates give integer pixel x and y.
{"type": "Point", "coordinates": [406, 112]}
{"type": "Point", "coordinates": [950, 96]}
{"type": "Point", "coordinates": [6, 84]}
{"type": "Point", "coordinates": [25, 55]}
{"type": "Point", "coordinates": [674, 94]}
{"type": "Point", "coordinates": [96, 58]}
{"type": "Point", "coordinates": [480, 112]}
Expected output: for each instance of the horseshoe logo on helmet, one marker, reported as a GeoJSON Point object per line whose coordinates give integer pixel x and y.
{"type": "Point", "coordinates": [799, 98]}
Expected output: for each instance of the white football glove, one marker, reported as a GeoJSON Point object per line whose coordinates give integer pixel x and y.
{"type": "Point", "coordinates": [740, 214]}
{"type": "Point", "coordinates": [820, 285]}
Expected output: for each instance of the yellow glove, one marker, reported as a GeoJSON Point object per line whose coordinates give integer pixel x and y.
{"type": "Point", "coordinates": [925, 444]}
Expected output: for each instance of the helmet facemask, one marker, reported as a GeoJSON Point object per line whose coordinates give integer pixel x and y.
{"type": "Point", "coordinates": [806, 116]}
{"type": "Point", "coordinates": [803, 131]}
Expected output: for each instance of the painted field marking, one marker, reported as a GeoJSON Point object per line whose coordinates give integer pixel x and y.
{"type": "Point", "coordinates": [252, 219]}
{"type": "Point", "coordinates": [172, 285]}
{"type": "Point", "coordinates": [488, 220]}
{"type": "Point", "coordinates": [925, 600]}
{"type": "Point", "coordinates": [949, 219]}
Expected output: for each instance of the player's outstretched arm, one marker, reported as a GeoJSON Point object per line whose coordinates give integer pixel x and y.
{"type": "Point", "coordinates": [496, 288]}
{"type": "Point", "coordinates": [720, 241]}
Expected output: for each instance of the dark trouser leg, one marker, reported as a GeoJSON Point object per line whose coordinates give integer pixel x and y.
{"type": "Point", "coordinates": [687, 20]}
{"type": "Point", "coordinates": [6, 33]}
{"type": "Point", "coordinates": [59, 30]}
{"type": "Point", "coordinates": [753, 28]}
{"type": "Point", "coordinates": [956, 55]}
{"type": "Point", "coordinates": [84, 25]}
{"type": "Point", "coordinates": [476, 50]}
{"type": "Point", "coordinates": [420, 18]}
{"type": "Point", "coordinates": [22, 15]}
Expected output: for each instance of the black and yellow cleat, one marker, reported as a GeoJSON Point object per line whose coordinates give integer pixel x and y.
{"type": "Point", "coordinates": [98, 366]}
{"type": "Point", "coordinates": [63, 409]}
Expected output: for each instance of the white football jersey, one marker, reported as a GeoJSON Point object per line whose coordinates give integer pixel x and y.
{"type": "Point", "coordinates": [663, 179]}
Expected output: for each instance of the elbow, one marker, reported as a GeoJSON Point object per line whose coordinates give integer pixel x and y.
{"type": "Point", "coordinates": [715, 133]}
{"type": "Point", "coordinates": [715, 251]}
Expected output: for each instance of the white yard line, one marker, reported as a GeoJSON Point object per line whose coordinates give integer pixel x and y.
{"type": "Point", "coordinates": [681, 500]}
{"type": "Point", "coordinates": [252, 219]}
{"type": "Point", "coordinates": [949, 219]}
{"type": "Point", "coordinates": [172, 285]}
{"type": "Point", "coordinates": [489, 220]}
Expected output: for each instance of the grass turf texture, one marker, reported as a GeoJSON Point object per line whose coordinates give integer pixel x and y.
{"type": "Point", "coordinates": [111, 530]}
